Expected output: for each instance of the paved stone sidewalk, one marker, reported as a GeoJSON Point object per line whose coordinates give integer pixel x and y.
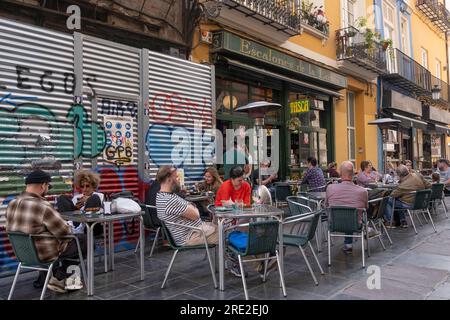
{"type": "Point", "coordinates": [414, 267]}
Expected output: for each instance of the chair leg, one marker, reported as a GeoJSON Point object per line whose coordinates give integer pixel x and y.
{"type": "Point", "coordinates": [379, 234]}
{"type": "Point", "coordinates": [362, 252]}
{"type": "Point", "coordinates": [137, 244]}
{"type": "Point", "coordinates": [213, 273]}
{"type": "Point", "coordinates": [266, 262]}
{"type": "Point", "coordinates": [47, 279]}
{"type": "Point", "coordinates": [431, 219]}
{"type": "Point", "coordinates": [308, 265]}
{"type": "Point", "coordinates": [329, 249]}
{"type": "Point", "coordinates": [317, 240]}
{"type": "Point", "coordinates": [155, 241]}
{"type": "Point", "coordinates": [418, 218]}
{"type": "Point", "coordinates": [387, 233]}
{"type": "Point", "coordinates": [444, 207]}
{"type": "Point", "coordinates": [412, 221]}
{"type": "Point", "coordinates": [244, 284]}
{"type": "Point", "coordinates": [283, 286]}
{"type": "Point", "coordinates": [315, 257]}
{"type": "Point", "coordinates": [80, 257]}
{"type": "Point", "coordinates": [168, 269]}
{"type": "Point", "coordinates": [14, 281]}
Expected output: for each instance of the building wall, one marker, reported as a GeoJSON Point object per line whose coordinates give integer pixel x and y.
{"type": "Point", "coordinates": [425, 35]}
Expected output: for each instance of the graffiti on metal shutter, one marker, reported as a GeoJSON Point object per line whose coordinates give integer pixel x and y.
{"type": "Point", "coordinates": [119, 140]}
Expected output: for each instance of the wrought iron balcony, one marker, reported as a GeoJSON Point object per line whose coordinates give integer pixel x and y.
{"type": "Point", "coordinates": [407, 73]}
{"type": "Point", "coordinates": [444, 97]}
{"type": "Point", "coordinates": [436, 12]}
{"type": "Point", "coordinates": [283, 15]}
{"type": "Point", "coordinates": [352, 46]}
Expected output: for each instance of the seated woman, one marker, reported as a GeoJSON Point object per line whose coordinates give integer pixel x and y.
{"type": "Point", "coordinates": [332, 170]}
{"type": "Point", "coordinates": [212, 184]}
{"type": "Point", "coordinates": [88, 200]}
{"type": "Point", "coordinates": [212, 181]}
{"type": "Point", "coordinates": [367, 174]}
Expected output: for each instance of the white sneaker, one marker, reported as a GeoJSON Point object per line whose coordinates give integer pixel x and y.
{"type": "Point", "coordinates": [56, 285]}
{"type": "Point", "coordinates": [74, 283]}
{"type": "Point", "coordinates": [371, 232]}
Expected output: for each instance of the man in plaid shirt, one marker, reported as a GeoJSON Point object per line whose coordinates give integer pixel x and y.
{"type": "Point", "coordinates": [30, 213]}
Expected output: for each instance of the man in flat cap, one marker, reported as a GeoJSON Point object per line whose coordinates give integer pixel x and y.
{"type": "Point", "coordinates": [31, 213]}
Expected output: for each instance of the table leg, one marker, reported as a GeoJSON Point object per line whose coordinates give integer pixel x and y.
{"type": "Point", "coordinates": [280, 241]}
{"type": "Point", "coordinates": [105, 255]}
{"type": "Point", "coordinates": [221, 255]}
{"type": "Point", "coordinates": [111, 244]}
{"type": "Point", "coordinates": [90, 258]}
{"type": "Point", "coordinates": [142, 239]}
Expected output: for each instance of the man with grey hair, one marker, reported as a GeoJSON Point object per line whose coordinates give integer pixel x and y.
{"type": "Point", "coordinates": [347, 194]}
{"type": "Point", "coordinates": [402, 194]}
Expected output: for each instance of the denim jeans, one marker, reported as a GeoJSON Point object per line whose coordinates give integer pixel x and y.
{"type": "Point", "coordinates": [398, 205]}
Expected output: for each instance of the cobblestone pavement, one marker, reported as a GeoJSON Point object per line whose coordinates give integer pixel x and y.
{"type": "Point", "coordinates": [414, 267]}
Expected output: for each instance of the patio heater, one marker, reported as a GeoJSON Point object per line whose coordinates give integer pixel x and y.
{"type": "Point", "coordinates": [384, 124]}
{"type": "Point", "coordinates": [257, 111]}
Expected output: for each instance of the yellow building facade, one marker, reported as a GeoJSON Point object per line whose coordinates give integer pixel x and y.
{"type": "Point", "coordinates": [326, 53]}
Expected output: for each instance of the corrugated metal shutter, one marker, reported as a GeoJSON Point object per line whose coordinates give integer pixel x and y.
{"type": "Point", "coordinates": [36, 93]}
{"type": "Point", "coordinates": [179, 95]}
{"type": "Point", "coordinates": [114, 74]}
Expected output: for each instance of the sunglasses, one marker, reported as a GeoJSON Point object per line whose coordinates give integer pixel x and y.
{"type": "Point", "coordinates": [85, 186]}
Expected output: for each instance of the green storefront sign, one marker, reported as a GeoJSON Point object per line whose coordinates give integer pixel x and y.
{"type": "Point", "coordinates": [224, 40]}
{"type": "Point", "coordinates": [300, 106]}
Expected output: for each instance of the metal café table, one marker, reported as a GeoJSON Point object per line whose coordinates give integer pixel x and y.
{"type": "Point", "coordinates": [262, 211]}
{"type": "Point", "coordinates": [90, 220]}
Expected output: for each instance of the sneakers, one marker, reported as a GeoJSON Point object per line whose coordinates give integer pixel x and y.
{"type": "Point", "coordinates": [236, 271]}
{"type": "Point", "coordinates": [348, 249]}
{"type": "Point", "coordinates": [73, 283]}
{"type": "Point", "coordinates": [57, 285]}
{"type": "Point", "coordinates": [388, 225]}
{"type": "Point", "coordinates": [404, 225]}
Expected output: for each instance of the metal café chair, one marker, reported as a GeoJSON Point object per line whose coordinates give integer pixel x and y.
{"type": "Point", "coordinates": [343, 222]}
{"type": "Point", "coordinates": [377, 220]}
{"type": "Point", "coordinates": [303, 239]}
{"type": "Point", "coordinates": [177, 248]}
{"type": "Point", "coordinates": [421, 203]}
{"type": "Point", "coordinates": [282, 191]}
{"type": "Point", "coordinates": [437, 196]}
{"type": "Point", "coordinates": [151, 223]}
{"type": "Point", "coordinates": [262, 239]}
{"type": "Point", "coordinates": [26, 253]}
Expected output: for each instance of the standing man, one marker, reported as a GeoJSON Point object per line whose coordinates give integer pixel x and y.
{"type": "Point", "coordinates": [31, 213]}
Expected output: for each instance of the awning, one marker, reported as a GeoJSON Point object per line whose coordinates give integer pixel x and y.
{"type": "Point", "coordinates": [442, 129]}
{"type": "Point", "coordinates": [410, 122]}
{"type": "Point", "coordinates": [284, 78]}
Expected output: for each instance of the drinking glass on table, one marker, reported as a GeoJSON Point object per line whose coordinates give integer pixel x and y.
{"type": "Point", "coordinates": [239, 205]}
{"type": "Point", "coordinates": [256, 198]}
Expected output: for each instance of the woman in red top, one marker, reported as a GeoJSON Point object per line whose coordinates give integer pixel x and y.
{"type": "Point", "coordinates": [234, 188]}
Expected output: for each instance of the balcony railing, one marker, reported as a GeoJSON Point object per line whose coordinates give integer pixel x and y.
{"type": "Point", "coordinates": [443, 86]}
{"type": "Point", "coordinates": [283, 15]}
{"type": "Point", "coordinates": [436, 12]}
{"type": "Point", "coordinates": [408, 73]}
{"type": "Point", "coordinates": [352, 46]}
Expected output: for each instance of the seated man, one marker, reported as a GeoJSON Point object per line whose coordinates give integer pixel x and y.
{"type": "Point", "coordinates": [173, 208]}
{"type": "Point", "coordinates": [234, 188]}
{"type": "Point", "coordinates": [444, 172]}
{"type": "Point", "coordinates": [314, 176]}
{"type": "Point", "coordinates": [30, 213]}
{"type": "Point", "coordinates": [403, 198]}
{"type": "Point", "coordinates": [347, 194]}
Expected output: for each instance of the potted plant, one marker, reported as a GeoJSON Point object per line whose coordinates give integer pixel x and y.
{"type": "Point", "coordinates": [386, 43]}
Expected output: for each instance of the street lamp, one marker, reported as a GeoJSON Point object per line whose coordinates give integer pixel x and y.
{"type": "Point", "coordinates": [436, 92]}
{"type": "Point", "coordinates": [384, 124]}
{"type": "Point", "coordinates": [257, 110]}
